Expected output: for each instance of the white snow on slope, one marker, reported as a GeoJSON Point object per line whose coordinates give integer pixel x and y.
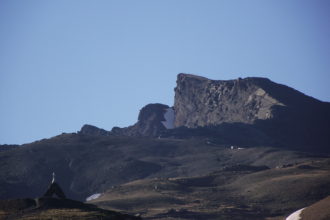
{"type": "Point", "coordinates": [169, 118]}
{"type": "Point", "coordinates": [94, 196]}
{"type": "Point", "coordinates": [295, 215]}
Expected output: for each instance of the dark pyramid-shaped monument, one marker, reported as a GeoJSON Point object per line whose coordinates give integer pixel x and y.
{"type": "Point", "coordinates": [54, 190]}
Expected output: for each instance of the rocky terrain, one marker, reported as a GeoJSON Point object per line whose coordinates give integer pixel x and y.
{"type": "Point", "coordinates": [236, 149]}
{"type": "Point", "coordinates": [202, 102]}
{"type": "Point", "coordinates": [149, 124]}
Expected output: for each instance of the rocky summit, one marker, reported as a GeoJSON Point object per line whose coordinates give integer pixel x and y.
{"type": "Point", "coordinates": [228, 149]}
{"type": "Point", "coordinates": [150, 122]}
{"type": "Point", "coordinates": [283, 115]}
{"type": "Point", "coordinates": [202, 102]}
{"type": "Point", "coordinates": [251, 110]}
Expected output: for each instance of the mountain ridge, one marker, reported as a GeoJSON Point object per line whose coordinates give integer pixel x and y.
{"type": "Point", "coordinates": [278, 114]}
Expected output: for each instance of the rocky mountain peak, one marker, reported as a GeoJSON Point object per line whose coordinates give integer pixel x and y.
{"type": "Point", "coordinates": [150, 122]}
{"type": "Point", "coordinates": [201, 102]}
{"type": "Point", "coordinates": [152, 112]}
{"type": "Point", "coordinates": [249, 110]}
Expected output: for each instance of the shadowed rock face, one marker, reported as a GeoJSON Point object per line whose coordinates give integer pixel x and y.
{"type": "Point", "coordinates": [92, 130]}
{"type": "Point", "coordinates": [149, 122]}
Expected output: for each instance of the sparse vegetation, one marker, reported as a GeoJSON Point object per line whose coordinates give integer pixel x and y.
{"type": "Point", "coordinates": [167, 178]}
{"type": "Point", "coordinates": [238, 194]}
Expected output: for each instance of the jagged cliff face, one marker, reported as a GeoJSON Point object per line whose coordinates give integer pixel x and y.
{"type": "Point", "coordinates": [202, 102]}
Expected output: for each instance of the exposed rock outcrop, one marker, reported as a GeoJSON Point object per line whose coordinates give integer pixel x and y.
{"type": "Point", "coordinates": [149, 122]}
{"type": "Point", "coordinates": [203, 102]}
{"type": "Point", "coordinates": [279, 112]}
{"type": "Point", "coordinates": [93, 130]}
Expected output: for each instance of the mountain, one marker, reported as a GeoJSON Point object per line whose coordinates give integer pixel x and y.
{"type": "Point", "coordinates": [254, 111]}
{"type": "Point", "coordinates": [283, 115]}
{"type": "Point", "coordinates": [235, 149]}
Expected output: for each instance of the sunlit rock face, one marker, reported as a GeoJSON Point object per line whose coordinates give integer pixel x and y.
{"type": "Point", "coordinates": [202, 102]}
{"type": "Point", "coordinates": [284, 114]}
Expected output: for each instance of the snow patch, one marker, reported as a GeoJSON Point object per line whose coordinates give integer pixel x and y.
{"type": "Point", "coordinates": [94, 196]}
{"type": "Point", "coordinates": [169, 118]}
{"type": "Point", "coordinates": [236, 148]}
{"type": "Point", "coordinates": [295, 215]}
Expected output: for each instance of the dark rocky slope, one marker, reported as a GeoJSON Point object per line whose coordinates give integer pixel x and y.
{"type": "Point", "coordinates": [87, 164]}
{"type": "Point", "coordinates": [54, 208]}
{"type": "Point", "coordinates": [235, 192]}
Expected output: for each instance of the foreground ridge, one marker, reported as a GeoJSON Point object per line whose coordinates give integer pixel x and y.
{"type": "Point", "coordinates": [54, 205]}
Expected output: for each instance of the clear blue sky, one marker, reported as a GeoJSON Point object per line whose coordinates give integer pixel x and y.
{"type": "Point", "coordinates": [65, 63]}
